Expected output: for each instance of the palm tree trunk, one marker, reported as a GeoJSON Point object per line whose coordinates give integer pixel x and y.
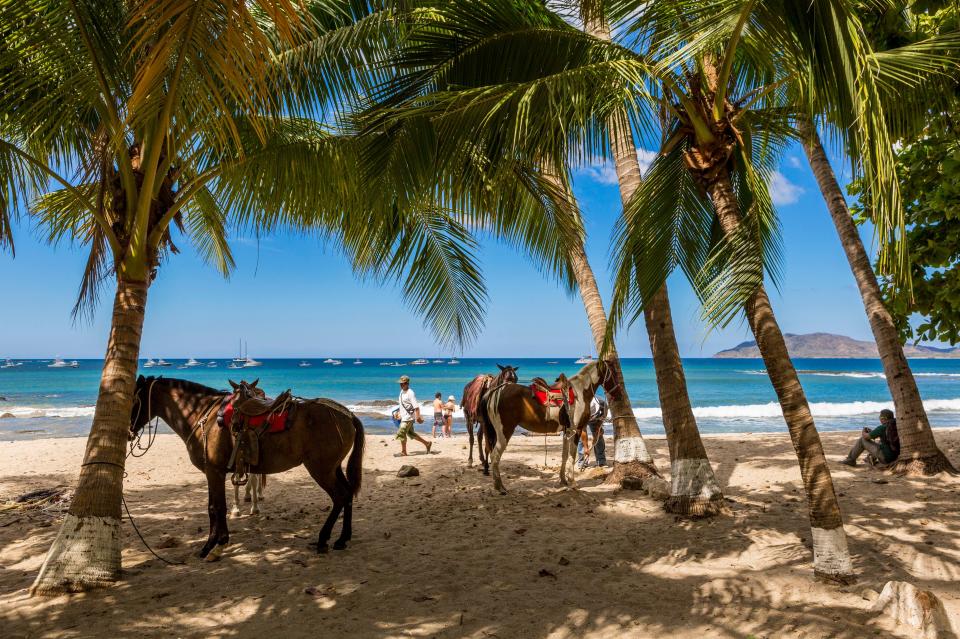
{"type": "Point", "coordinates": [86, 552]}
{"type": "Point", "coordinates": [631, 456]}
{"type": "Point", "coordinates": [694, 490]}
{"type": "Point", "coordinates": [918, 449]}
{"type": "Point", "coordinates": [831, 558]}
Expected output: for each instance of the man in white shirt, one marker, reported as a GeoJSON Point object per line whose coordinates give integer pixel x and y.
{"type": "Point", "coordinates": [409, 411]}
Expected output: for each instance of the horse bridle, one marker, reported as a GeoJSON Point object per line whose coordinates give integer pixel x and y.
{"type": "Point", "coordinates": [136, 435]}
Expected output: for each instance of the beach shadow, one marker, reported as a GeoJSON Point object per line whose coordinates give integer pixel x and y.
{"type": "Point", "coordinates": [445, 557]}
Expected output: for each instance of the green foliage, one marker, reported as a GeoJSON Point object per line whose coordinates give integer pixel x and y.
{"type": "Point", "coordinates": [929, 171]}
{"type": "Point", "coordinates": [928, 168]}
{"type": "Point", "coordinates": [127, 126]}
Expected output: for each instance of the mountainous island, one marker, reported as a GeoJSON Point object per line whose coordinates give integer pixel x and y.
{"type": "Point", "coordinates": [828, 345]}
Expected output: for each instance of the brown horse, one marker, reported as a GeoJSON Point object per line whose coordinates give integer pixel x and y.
{"type": "Point", "coordinates": [473, 394]}
{"type": "Point", "coordinates": [319, 434]}
{"type": "Point", "coordinates": [511, 405]}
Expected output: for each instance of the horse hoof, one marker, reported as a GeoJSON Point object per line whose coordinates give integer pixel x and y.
{"type": "Point", "coordinates": [339, 545]}
{"type": "Point", "coordinates": [214, 554]}
{"type": "Point", "coordinates": [502, 491]}
{"type": "Point", "coordinates": [322, 549]}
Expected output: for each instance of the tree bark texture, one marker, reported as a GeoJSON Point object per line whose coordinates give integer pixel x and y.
{"type": "Point", "coordinates": [631, 456]}
{"type": "Point", "coordinates": [918, 449]}
{"type": "Point", "coordinates": [86, 552]}
{"type": "Point", "coordinates": [831, 557]}
{"type": "Point", "coordinates": [694, 489]}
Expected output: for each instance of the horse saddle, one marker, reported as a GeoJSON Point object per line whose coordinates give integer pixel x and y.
{"type": "Point", "coordinates": [259, 413]}
{"type": "Point", "coordinates": [253, 406]}
{"type": "Point", "coordinates": [552, 394]}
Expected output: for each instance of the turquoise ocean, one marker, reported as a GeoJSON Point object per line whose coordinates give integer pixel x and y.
{"type": "Point", "coordinates": [728, 395]}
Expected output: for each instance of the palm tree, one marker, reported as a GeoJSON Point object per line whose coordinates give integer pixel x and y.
{"type": "Point", "coordinates": [401, 100]}
{"type": "Point", "coordinates": [185, 122]}
{"type": "Point", "coordinates": [694, 490]}
{"type": "Point", "coordinates": [914, 74]}
{"type": "Point", "coordinates": [724, 88]}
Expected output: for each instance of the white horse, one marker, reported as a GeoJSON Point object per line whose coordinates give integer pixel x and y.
{"type": "Point", "coordinates": [253, 493]}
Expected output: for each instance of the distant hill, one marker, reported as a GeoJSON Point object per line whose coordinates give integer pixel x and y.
{"type": "Point", "coordinates": [827, 345]}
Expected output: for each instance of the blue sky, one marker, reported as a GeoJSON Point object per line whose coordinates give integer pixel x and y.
{"type": "Point", "coordinates": [314, 306]}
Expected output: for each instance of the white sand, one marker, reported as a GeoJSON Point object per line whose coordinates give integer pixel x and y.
{"type": "Point", "coordinates": [442, 555]}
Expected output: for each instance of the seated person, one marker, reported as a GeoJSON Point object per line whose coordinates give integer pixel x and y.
{"type": "Point", "coordinates": [884, 452]}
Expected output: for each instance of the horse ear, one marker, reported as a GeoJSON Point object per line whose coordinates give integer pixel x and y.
{"type": "Point", "coordinates": [253, 384]}
{"type": "Point", "coordinates": [500, 367]}
{"type": "Point", "coordinates": [234, 384]}
{"type": "Point", "coordinates": [141, 379]}
{"type": "Point", "coordinates": [516, 370]}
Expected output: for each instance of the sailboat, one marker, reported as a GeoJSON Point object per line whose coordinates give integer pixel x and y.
{"type": "Point", "coordinates": [241, 358]}
{"type": "Point", "coordinates": [249, 362]}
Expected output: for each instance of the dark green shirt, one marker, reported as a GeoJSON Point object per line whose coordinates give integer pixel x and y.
{"type": "Point", "coordinates": [881, 432]}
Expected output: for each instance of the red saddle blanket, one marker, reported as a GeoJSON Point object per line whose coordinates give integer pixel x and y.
{"type": "Point", "coordinates": [278, 421]}
{"type": "Point", "coordinates": [551, 397]}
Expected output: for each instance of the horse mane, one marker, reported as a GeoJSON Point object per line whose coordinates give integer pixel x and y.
{"type": "Point", "coordinates": [582, 376]}
{"type": "Point", "coordinates": [185, 385]}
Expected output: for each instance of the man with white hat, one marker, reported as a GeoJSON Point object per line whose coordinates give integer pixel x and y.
{"type": "Point", "coordinates": [409, 411]}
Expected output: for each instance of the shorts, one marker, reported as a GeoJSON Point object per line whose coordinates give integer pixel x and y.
{"type": "Point", "coordinates": [405, 431]}
{"type": "Point", "coordinates": [437, 419]}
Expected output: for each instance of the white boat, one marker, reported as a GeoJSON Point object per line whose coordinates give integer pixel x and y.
{"type": "Point", "coordinates": [453, 360]}
{"type": "Point", "coordinates": [586, 359]}
{"type": "Point", "coordinates": [163, 362]}
{"type": "Point", "coordinates": [419, 362]}
{"type": "Point", "coordinates": [329, 360]}
{"type": "Point", "coordinates": [240, 358]}
{"type": "Point", "coordinates": [386, 363]}
{"type": "Point", "coordinates": [149, 363]}
{"type": "Point", "coordinates": [235, 365]}
{"type": "Point", "coordinates": [438, 361]}
{"type": "Point", "coordinates": [211, 364]}
{"type": "Point", "coordinates": [59, 363]}
{"type": "Point", "coordinates": [251, 363]}
{"type": "Point", "coordinates": [191, 363]}
{"type": "Point", "coordinates": [304, 364]}
{"type": "Point", "coordinates": [357, 361]}
{"type": "Point", "coordinates": [335, 362]}
{"type": "Point", "coordinates": [11, 364]}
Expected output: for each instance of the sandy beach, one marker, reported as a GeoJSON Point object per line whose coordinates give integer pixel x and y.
{"type": "Point", "coordinates": [442, 555]}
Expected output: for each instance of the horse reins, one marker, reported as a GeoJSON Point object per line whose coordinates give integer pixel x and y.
{"type": "Point", "coordinates": [151, 430]}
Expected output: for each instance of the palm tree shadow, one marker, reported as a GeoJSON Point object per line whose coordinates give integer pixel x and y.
{"type": "Point", "coordinates": [446, 557]}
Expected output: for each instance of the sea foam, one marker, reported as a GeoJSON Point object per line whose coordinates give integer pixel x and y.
{"type": "Point", "coordinates": [819, 409]}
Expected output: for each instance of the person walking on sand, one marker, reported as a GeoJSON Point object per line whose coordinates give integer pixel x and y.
{"type": "Point", "coordinates": [438, 416]}
{"type": "Point", "coordinates": [884, 452]}
{"type": "Point", "coordinates": [598, 413]}
{"type": "Point", "coordinates": [448, 410]}
{"type": "Point", "coordinates": [409, 412]}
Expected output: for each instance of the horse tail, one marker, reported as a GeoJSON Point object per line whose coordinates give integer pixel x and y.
{"type": "Point", "coordinates": [355, 463]}
{"type": "Point", "coordinates": [483, 416]}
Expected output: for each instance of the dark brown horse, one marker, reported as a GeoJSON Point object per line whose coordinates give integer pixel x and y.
{"type": "Point", "coordinates": [511, 405]}
{"type": "Point", "coordinates": [473, 394]}
{"type": "Point", "coordinates": [320, 434]}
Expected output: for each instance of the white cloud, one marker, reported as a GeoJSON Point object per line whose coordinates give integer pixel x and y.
{"type": "Point", "coordinates": [604, 172]}
{"type": "Point", "coordinates": [794, 162]}
{"type": "Point", "coordinates": [783, 191]}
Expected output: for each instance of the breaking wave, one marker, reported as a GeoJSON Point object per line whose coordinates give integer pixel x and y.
{"type": "Point", "coordinates": [819, 409]}
{"type": "Point", "coordinates": [48, 411]}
